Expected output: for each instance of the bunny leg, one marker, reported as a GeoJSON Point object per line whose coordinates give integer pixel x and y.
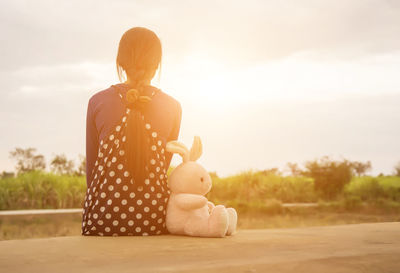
{"type": "Point", "coordinates": [232, 215]}
{"type": "Point", "coordinates": [218, 222]}
{"type": "Point", "coordinates": [196, 226]}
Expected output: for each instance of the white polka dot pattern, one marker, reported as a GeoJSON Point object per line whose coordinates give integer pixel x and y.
{"type": "Point", "coordinates": [114, 204]}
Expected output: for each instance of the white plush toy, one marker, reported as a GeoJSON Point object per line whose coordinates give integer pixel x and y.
{"type": "Point", "coordinates": [188, 211]}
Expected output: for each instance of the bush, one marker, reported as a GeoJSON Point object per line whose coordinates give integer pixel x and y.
{"type": "Point", "coordinates": [250, 185]}
{"type": "Point", "coordinates": [329, 176]}
{"type": "Point", "coordinates": [352, 202]}
{"type": "Point", "coordinates": [373, 188]}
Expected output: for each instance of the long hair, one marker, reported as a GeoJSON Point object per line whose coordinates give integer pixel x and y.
{"type": "Point", "coordinates": [139, 56]}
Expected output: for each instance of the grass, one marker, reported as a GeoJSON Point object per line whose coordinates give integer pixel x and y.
{"type": "Point", "coordinates": [38, 190]}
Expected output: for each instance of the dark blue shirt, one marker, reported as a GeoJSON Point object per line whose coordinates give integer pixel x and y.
{"type": "Point", "coordinates": [106, 108]}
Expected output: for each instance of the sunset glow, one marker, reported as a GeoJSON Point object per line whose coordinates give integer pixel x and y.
{"type": "Point", "coordinates": [260, 92]}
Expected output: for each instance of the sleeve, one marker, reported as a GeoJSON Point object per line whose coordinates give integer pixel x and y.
{"type": "Point", "coordinates": [91, 143]}
{"type": "Point", "coordinates": [174, 132]}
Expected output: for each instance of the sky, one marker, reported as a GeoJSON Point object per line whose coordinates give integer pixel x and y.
{"type": "Point", "coordinates": [262, 82]}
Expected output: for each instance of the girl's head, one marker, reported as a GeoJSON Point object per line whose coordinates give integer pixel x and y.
{"type": "Point", "coordinates": [139, 55]}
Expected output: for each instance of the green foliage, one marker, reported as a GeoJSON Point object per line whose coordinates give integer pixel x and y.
{"type": "Point", "coordinates": [38, 190]}
{"type": "Point", "coordinates": [81, 166]}
{"type": "Point", "coordinates": [360, 168]}
{"type": "Point", "coordinates": [397, 169]}
{"type": "Point", "coordinates": [329, 176]}
{"type": "Point", "coordinates": [372, 188]}
{"type": "Point", "coordinates": [250, 185]}
{"type": "Point", "coordinates": [61, 165]}
{"type": "Point", "coordinates": [247, 192]}
{"type": "Point", "coordinates": [352, 202]}
{"type": "Point", "coordinates": [28, 160]}
{"type": "Point", "coordinates": [294, 169]}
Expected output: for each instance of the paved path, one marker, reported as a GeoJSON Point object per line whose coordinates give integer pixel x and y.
{"type": "Point", "coordinates": [348, 248]}
{"type": "Point", "coordinates": [38, 211]}
{"type": "Point", "coordinates": [78, 210]}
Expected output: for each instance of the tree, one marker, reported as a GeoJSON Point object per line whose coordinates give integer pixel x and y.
{"type": "Point", "coordinates": [61, 165]}
{"type": "Point", "coordinates": [361, 168]}
{"type": "Point", "coordinates": [5, 174]}
{"type": "Point", "coordinates": [213, 175]}
{"type": "Point", "coordinates": [273, 171]}
{"type": "Point", "coordinates": [397, 169]}
{"type": "Point", "coordinates": [252, 181]}
{"type": "Point", "coordinates": [27, 160]}
{"type": "Point", "coordinates": [294, 169]}
{"type": "Point", "coordinates": [329, 176]}
{"type": "Point", "coordinates": [81, 171]}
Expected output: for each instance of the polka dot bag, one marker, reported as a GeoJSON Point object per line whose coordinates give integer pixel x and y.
{"type": "Point", "coordinates": [114, 204]}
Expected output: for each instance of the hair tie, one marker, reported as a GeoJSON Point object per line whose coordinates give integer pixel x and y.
{"type": "Point", "coordinates": [133, 95]}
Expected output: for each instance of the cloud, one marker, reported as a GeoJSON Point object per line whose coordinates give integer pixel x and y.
{"type": "Point", "coordinates": [236, 33]}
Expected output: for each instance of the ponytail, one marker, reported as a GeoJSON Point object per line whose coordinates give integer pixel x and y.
{"type": "Point", "coordinates": [137, 138]}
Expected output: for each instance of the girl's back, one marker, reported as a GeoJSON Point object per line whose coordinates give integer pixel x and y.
{"type": "Point", "coordinates": [128, 126]}
{"type": "Point", "coordinates": [106, 108]}
{"type": "Point", "coordinates": [115, 204]}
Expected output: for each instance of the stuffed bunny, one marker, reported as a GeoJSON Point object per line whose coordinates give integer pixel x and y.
{"type": "Point", "coordinates": [188, 211]}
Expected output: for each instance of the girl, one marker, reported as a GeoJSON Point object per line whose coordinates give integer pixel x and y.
{"type": "Point", "coordinates": [128, 126]}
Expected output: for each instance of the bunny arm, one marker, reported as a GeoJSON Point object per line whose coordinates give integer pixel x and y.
{"type": "Point", "coordinates": [188, 201]}
{"type": "Point", "coordinates": [210, 205]}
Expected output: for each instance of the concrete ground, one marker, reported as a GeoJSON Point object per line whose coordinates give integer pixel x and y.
{"type": "Point", "coordinates": [347, 248]}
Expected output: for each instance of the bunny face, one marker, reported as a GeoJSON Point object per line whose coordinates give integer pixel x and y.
{"type": "Point", "coordinates": [190, 177]}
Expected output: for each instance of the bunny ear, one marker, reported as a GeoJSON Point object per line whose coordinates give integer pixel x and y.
{"type": "Point", "coordinates": [177, 147]}
{"type": "Point", "coordinates": [196, 150]}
